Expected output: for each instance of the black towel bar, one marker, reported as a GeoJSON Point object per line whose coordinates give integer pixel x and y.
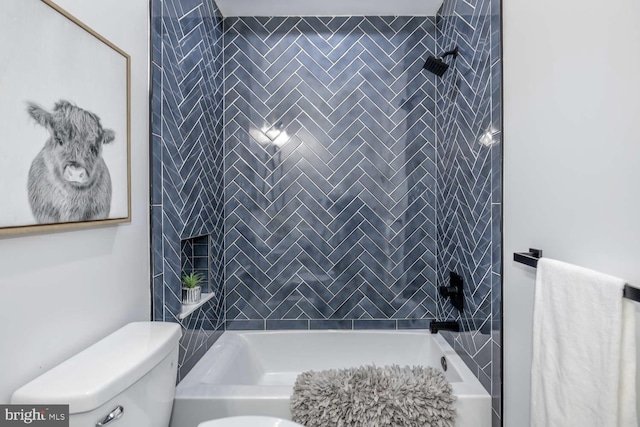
{"type": "Point", "coordinates": [531, 259]}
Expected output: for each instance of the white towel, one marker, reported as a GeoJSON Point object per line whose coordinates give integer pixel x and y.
{"type": "Point", "coordinates": [584, 366]}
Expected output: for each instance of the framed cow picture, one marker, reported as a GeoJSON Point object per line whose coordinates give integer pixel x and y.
{"type": "Point", "coordinates": [64, 122]}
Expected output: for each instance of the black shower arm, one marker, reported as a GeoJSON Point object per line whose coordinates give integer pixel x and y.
{"type": "Point", "coordinates": [453, 52]}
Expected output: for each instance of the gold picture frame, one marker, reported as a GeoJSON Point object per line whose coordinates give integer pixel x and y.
{"type": "Point", "coordinates": [63, 82]}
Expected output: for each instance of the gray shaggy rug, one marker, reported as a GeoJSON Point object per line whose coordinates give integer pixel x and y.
{"type": "Point", "coordinates": [373, 397]}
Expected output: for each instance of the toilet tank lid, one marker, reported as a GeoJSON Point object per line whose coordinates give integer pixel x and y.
{"type": "Point", "coordinates": [104, 370]}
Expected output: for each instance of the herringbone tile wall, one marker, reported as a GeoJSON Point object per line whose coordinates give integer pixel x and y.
{"type": "Point", "coordinates": [469, 181]}
{"type": "Point", "coordinates": [330, 175]}
{"type": "Point", "coordinates": [353, 181]}
{"type": "Point", "coordinates": [187, 162]}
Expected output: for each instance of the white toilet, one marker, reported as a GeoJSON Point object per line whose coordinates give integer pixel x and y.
{"type": "Point", "coordinates": [125, 380]}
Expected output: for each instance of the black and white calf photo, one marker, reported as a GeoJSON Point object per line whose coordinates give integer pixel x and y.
{"type": "Point", "coordinates": [64, 121]}
{"type": "Point", "coordinates": [68, 180]}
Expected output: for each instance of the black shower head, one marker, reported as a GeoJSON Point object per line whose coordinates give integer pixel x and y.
{"type": "Point", "coordinates": [436, 65]}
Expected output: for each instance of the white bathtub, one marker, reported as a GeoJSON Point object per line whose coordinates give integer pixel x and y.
{"type": "Point", "coordinates": [252, 373]}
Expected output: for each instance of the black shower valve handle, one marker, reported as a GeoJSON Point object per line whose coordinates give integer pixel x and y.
{"type": "Point", "coordinates": [447, 291]}
{"type": "Point", "coordinates": [454, 291]}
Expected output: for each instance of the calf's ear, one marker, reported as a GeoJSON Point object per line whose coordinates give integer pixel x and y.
{"type": "Point", "coordinates": [108, 136]}
{"type": "Point", "coordinates": [40, 115]}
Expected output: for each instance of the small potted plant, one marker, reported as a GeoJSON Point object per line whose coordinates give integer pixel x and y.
{"type": "Point", "coordinates": [191, 288]}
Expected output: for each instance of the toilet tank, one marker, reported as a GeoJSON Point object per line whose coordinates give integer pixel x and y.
{"type": "Point", "coordinates": [131, 374]}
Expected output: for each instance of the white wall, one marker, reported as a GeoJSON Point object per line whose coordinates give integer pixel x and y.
{"type": "Point", "coordinates": [61, 292]}
{"type": "Point", "coordinates": [572, 155]}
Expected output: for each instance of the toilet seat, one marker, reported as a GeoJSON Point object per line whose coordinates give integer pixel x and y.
{"type": "Point", "coordinates": [249, 422]}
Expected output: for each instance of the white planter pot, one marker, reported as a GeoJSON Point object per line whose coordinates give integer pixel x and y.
{"type": "Point", "coordinates": [191, 295]}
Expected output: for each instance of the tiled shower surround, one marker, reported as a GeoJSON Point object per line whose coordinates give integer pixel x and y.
{"type": "Point", "coordinates": [187, 208]}
{"type": "Point", "coordinates": [330, 173]}
{"type": "Point", "coordinates": [469, 194]}
{"type": "Point", "coordinates": [353, 180]}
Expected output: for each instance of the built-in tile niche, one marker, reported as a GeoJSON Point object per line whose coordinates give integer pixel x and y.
{"type": "Point", "coordinates": [194, 258]}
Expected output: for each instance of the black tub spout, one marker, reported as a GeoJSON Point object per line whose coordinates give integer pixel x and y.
{"type": "Point", "coordinates": [444, 326]}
